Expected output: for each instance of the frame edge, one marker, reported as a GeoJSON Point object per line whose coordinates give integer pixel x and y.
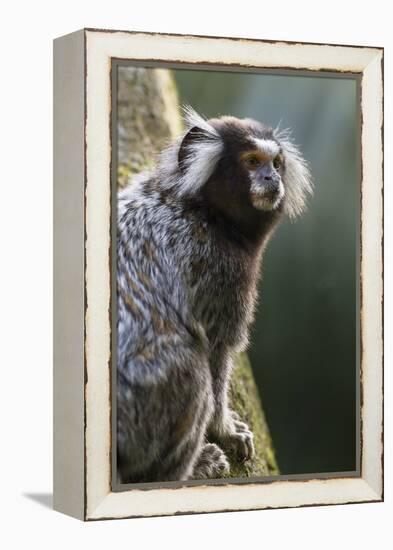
{"type": "Point", "coordinates": [68, 288]}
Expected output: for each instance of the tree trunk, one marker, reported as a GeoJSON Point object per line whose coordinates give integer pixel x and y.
{"type": "Point", "coordinates": [148, 116]}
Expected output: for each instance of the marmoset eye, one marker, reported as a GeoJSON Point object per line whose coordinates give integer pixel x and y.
{"type": "Point", "coordinates": [252, 162]}
{"type": "Point", "coordinates": [277, 162]}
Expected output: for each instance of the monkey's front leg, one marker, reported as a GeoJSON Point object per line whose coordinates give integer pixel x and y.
{"type": "Point", "coordinates": [226, 425]}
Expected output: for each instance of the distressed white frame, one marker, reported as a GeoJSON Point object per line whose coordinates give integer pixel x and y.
{"type": "Point", "coordinates": [98, 499]}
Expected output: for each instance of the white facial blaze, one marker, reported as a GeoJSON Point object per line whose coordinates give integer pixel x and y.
{"type": "Point", "coordinates": [267, 146]}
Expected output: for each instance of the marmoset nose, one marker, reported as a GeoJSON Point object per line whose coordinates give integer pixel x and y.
{"type": "Point", "coordinates": [270, 187]}
{"type": "Point", "coordinates": [266, 171]}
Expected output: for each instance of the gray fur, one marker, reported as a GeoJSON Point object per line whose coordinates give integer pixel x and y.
{"type": "Point", "coordinates": [186, 297]}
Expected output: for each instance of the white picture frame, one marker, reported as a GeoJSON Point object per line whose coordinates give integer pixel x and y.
{"type": "Point", "coordinates": [82, 244]}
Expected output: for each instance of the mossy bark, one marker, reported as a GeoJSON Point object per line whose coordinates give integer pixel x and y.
{"type": "Point", "coordinates": [148, 116]}
{"type": "Point", "coordinates": [245, 400]}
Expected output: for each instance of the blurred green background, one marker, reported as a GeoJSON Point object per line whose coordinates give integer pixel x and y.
{"type": "Point", "coordinates": [304, 340]}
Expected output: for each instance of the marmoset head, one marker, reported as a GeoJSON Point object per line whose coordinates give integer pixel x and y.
{"type": "Point", "coordinates": [238, 165]}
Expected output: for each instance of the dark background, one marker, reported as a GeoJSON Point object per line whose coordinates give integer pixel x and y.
{"type": "Point", "coordinates": [304, 340]}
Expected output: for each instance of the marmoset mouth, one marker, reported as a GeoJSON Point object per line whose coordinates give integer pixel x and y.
{"type": "Point", "coordinates": [266, 201]}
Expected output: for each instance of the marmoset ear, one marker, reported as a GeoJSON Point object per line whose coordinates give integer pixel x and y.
{"type": "Point", "coordinates": [198, 153]}
{"type": "Point", "coordinates": [192, 138]}
{"type": "Point", "coordinates": [297, 177]}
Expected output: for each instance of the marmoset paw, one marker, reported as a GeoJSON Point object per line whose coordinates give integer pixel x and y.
{"type": "Point", "coordinates": [211, 463]}
{"type": "Point", "coordinates": [240, 438]}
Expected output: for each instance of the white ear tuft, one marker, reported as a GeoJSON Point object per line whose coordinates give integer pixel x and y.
{"type": "Point", "coordinates": [200, 149]}
{"type": "Point", "coordinates": [297, 177]}
{"type": "Point", "coordinates": [188, 163]}
{"type": "Point", "coordinates": [199, 165]}
{"type": "Point", "coordinates": [192, 119]}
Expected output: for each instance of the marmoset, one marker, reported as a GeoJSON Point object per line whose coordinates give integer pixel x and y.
{"type": "Point", "coordinates": [191, 234]}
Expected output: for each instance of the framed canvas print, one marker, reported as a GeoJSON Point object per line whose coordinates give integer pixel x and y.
{"type": "Point", "coordinates": [218, 266]}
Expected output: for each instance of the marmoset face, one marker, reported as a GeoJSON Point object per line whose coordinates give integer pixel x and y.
{"type": "Point", "coordinates": [252, 163]}
{"type": "Point", "coordinates": [264, 165]}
